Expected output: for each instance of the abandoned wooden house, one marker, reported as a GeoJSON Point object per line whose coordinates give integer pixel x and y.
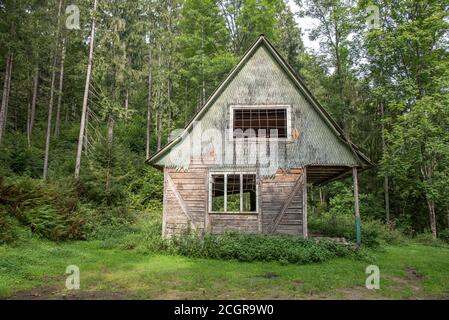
{"type": "Point", "coordinates": [246, 158]}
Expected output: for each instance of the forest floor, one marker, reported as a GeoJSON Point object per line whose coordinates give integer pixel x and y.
{"type": "Point", "coordinates": [36, 270]}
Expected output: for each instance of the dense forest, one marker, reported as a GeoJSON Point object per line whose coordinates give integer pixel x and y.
{"type": "Point", "coordinates": [90, 89]}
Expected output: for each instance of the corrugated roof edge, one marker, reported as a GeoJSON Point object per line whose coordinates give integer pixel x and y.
{"type": "Point", "coordinates": [293, 74]}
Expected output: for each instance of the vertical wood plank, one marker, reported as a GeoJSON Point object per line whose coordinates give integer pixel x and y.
{"type": "Point", "coordinates": [207, 199]}
{"type": "Point", "coordinates": [258, 201]}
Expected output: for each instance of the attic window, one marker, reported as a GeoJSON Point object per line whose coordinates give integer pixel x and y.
{"type": "Point", "coordinates": [260, 122]}
{"type": "Point", "coordinates": [232, 193]}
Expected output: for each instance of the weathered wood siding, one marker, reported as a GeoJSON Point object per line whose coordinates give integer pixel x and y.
{"type": "Point", "coordinates": [244, 223]}
{"type": "Point", "coordinates": [186, 205]}
{"type": "Point", "coordinates": [185, 200]}
{"type": "Point", "coordinates": [282, 200]}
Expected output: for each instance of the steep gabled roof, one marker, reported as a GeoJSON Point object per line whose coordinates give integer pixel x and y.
{"type": "Point", "coordinates": [296, 79]}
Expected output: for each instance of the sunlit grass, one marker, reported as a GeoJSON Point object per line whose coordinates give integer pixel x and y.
{"type": "Point", "coordinates": [42, 264]}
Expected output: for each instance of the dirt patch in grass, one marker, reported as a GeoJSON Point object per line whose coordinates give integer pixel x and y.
{"type": "Point", "coordinates": [269, 275]}
{"type": "Point", "coordinates": [413, 275]}
{"type": "Point", "coordinates": [357, 293]}
{"type": "Point", "coordinates": [49, 293]}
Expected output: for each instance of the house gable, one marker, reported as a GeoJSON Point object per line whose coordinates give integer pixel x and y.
{"type": "Point", "coordinates": [263, 78]}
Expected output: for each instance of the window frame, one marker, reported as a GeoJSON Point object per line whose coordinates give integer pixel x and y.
{"type": "Point", "coordinates": [288, 119]}
{"type": "Point", "coordinates": [225, 204]}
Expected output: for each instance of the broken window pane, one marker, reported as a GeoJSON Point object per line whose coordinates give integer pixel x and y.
{"type": "Point", "coordinates": [249, 193]}
{"type": "Point", "coordinates": [217, 193]}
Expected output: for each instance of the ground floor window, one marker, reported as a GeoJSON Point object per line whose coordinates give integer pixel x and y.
{"type": "Point", "coordinates": [232, 192]}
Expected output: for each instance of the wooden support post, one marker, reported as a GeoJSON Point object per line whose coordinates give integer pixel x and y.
{"type": "Point", "coordinates": [304, 205]}
{"type": "Point", "coordinates": [356, 206]}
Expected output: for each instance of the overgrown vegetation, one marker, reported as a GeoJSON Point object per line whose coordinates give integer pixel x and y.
{"type": "Point", "coordinates": [241, 247]}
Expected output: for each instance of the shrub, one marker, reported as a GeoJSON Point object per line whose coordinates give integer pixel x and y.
{"type": "Point", "coordinates": [427, 239]}
{"type": "Point", "coordinates": [373, 232]}
{"type": "Point", "coordinates": [256, 247]}
{"type": "Point", "coordinates": [444, 235]}
{"type": "Point", "coordinates": [47, 209]}
{"type": "Point", "coordinates": [147, 236]}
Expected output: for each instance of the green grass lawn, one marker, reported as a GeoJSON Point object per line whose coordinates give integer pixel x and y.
{"type": "Point", "coordinates": [36, 269]}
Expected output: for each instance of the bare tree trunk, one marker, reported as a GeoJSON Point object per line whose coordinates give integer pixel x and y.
{"type": "Point", "coordinates": [159, 107]}
{"type": "Point", "coordinates": [61, 82]}
{"type": "Point", "coordinates": [9, 93]}
{"type": "Point", "coordinates": [86, 132]}
{"type": "Point", "coordinates": [49, 118]}
{"type": "Point", "coordinates": [322, 197]}
{"type": "Point", "coordinates": [110, 140]}
{"type": "Point", "coordinates": [33, 107]}
{"type": "Point", "coordinates": [50, 104]}
{"type": "Point", "coordinates": [159, 129]}
{"type": "Point", "coordinates": [5, 96]}
{"type": "Point", "coordinates": [386, 181]}
{"type": "Point", "coordinates": [86, 95]}
{"type": "Point", "coordinates": [126, 105]}
{"type": "Point", "coordinates": [150, 92]}
{"type": "Point", "coordinates": [432, 218]}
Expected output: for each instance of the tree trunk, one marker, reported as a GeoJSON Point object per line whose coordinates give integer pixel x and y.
{"type": "Point", "coordinates": [49, 118]}
{"type": "Point", "coordinates": [9, 93]}
{"type": "Point", "coordinates": [150, 92]}
{"type": "Point", "coordinates": [86, 132]}
{"type": "Point", "coordinates": [61, 82]}
{"type": "Point", "coordinates": [110, 140]}
{"type": "Point", "coordinates": [159, 106]}
{"type": "Point", "coordinates": [5, 96]}
{"type": "Point", "coordinates": [322, 197]}
{"type": "Point", "coordinates": [159, 129]}
{"type": "Point", "coordinates": [386, 181]}
{"type": "Point", "coordinates": [432, 218]}
{"type": "Point", "coordinates": [33, 107]}
{"type": "Point", "coordinates": [86, 95]}
{"type": "Point", "coordinates": [126, 105]}
{"type": "Point", "coordinates": [50, 104]}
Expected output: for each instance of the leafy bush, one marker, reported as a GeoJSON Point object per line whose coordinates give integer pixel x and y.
{"type": "Point", "coordinates": [48, 210]}
{"type": "Point", "coordinates": [373, 232]}
{"type": "Point", "coordinates": [256, 247]}
{"type": "Point", "coordinates": [444, 235]}
{"type": "Point", "coordinates": [147, 236]}
{"type": "Point", "coordinates": [427, 239]}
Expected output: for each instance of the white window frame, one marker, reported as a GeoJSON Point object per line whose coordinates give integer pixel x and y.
{"type": "Point", "coordinates": [287, 107]}
{"type": "Point", "coordinates": [225, 174]}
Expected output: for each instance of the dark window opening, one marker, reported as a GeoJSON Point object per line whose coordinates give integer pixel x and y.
{"type": "Point", "coordinates": [249, 201]}
{"type": "Point", "coordinates": [233, 193]}
{"type": "Point", "coordinates": [261, 121]}
{"type": "Point", "coordinates": [217, 193]}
